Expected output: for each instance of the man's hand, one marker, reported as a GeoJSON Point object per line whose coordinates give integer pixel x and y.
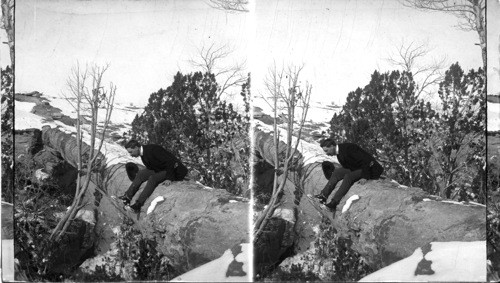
{"type": "Point", "coordinates": [166, 183]}
{"type": "Point", "coordinates": [362, 181]}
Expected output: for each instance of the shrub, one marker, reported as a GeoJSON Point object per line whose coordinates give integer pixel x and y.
{"type": "Point", "coordinates": [190, 119]}
{"type": "Point", "coordinates": [137, 258]}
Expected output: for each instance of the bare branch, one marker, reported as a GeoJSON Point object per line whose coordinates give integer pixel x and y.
{"type": "Point", "coordinates": [471, 15]}
{"type": "Point", "coordinates": [409, 57]}
{"type": "Point", "coordinates": [284, 87]}
{"type": "Point", "coordinates": [213, 59]}
{"type": "Point", "coordinates": [96, 98]}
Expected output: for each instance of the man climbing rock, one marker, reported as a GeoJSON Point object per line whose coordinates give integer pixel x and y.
{"type": "Point", "coordinates": [357, 164]}
{"type": "Point", "coordinates": [161, 165]}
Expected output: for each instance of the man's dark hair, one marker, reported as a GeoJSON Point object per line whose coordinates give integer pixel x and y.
{"type": "Point", "coordinates": [132, 144]}
{"type": "Point", "coordinates": [327, 143]}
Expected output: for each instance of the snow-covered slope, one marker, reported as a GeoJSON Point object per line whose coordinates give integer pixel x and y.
{"type": "Point", "coordinates": [311, 151]}
{"type": "Point", "coordinates": [493, 117]}
{"type": "Point", "coordinates": [121, 117]}
{"type": "Point", "coordinates": [437, 262]}
{"type": "Point", "coordinates": [232, 266]}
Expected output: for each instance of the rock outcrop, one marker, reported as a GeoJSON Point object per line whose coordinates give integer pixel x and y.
{"type": "Point", "coordinates": [388, 222]}
{"type": "Point", "coordinates": [53, 174]}
{"type": "Point", "coordinates": [192, 226]}
{"type": "Point", "coordinates": [66, 146]}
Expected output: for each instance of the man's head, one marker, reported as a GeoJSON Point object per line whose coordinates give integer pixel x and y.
{"type": "Point", "coordinates": [329, 146]}
{"type": "Point", "coordinates": [133, 147]}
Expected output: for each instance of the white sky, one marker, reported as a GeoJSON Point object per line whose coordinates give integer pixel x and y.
{"type": "Point", "coordinates": [146, 42]}
{"type": "Point", "coordinates": [341, 43]}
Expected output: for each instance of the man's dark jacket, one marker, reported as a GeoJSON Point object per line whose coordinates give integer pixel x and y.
{"type": "Point", "coordinates": [158, 159]}
{"type": "Point", "coordinates": [353, 157]}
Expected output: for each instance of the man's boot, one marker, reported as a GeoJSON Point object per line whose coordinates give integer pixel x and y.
{"type": "Point", "coordinates": [136, 207]}
{"type": "Point", "coordinates": [321, 198]}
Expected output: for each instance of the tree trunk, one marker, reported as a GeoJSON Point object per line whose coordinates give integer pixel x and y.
{"type": "Point", "coordinates": [66, 145]}
{"type": "Point", "coordinates": [8, 24]}
{"type": "Point", "coordinates": [481, 32]}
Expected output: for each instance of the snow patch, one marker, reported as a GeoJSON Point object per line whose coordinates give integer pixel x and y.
{"type": "Point", "coordinates": [217, 270]}
{"type": "Point", "coordinates": [153, 204]}
{"type": "Point", "coordinates": [116, 230]}
{"type": "Point", "coordinates": [204, 187]}
{"type": "Point", "coordinates": [86, 215]}
{"type": "Point", "coordinates": [493, 123]}
{"type": "Point", "coordinates": [311, 152]}
{"type": "Point", "coordinates": [83, 214]}
{"type": "Point", "coordinates": [284, 213]}
{"type": "Point", "coordinates": [450, 261]}
{"type": "Point", "coordinates": [348, 203]}
{"type": "Point", "coordinates": [316, 229]}
{"type": "Point", "coordinates": [113, 152]}
{"type": "Point", "coordinates": [24, 119]}
{"type": "Point", "coordinates": [40, 175]}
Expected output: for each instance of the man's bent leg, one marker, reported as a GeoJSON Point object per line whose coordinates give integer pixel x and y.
{"type": "Point", "coordinates": [153, 181]}
{"type": "Point", "coordinates": [141, 177]}
{"type": "Point", "coordinates": [337, 175]}
{"type": "Point", "coordinates": [328, 169]}
{"type": "Point", "coordinates": [347, 182]}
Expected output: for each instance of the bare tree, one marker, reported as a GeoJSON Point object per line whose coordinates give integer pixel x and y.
{"type": "Point", "coordinates": [8, 25]}
{"type": "Point", "coordinates": [213, 59]}
{"type": "Point", "coordinates": [87, 98]}
{"type": "Point", "coordinates": [409, 57]}
{"type": "Point", "coordinates": [231, 6]}
{"type": "Point", "coordinates": [470, 12]}
{"type": "Point", "coordinates": [287, 94]}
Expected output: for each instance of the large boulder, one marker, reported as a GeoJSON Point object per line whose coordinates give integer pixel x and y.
{"type": "Point", "coordinates": [194, 224]}
{"type": "Point", "coordinates": [66, 146]}
{"type": "Point", "coordinates": [388, 221]}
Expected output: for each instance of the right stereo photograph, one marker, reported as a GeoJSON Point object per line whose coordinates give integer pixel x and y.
{"type": "Point", "coordinates": [376, 152]}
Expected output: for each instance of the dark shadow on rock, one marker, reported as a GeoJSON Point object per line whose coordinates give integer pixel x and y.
{"type": "Point", "coordinates": [268, 249]}
{"type": "Point", "coordinates": [263, 180]}
{"type": "Point", "coordinates": [132, 170]}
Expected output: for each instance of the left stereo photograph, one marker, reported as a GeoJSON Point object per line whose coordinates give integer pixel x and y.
{"type": "Point", "coordinates": [125, 141]}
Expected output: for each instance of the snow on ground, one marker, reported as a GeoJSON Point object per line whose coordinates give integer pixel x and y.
{"type": "Point", "coordinates": [153, 204]}
{"type": "Point", "coordinates": [449, 261]}
{"type": "Point", "coordinates": [348, 203]}
{"type": "Point", "coordinates": [311, 152]}
{"type": "Point", "coordinates": [232, 266]}
{"type": "Point", "coordinates": [24, 119]}
{"type": "Point", "coordinates": [121, 114]}
{"type": "Point", "coordinates": [319, 112]}
{"type": "Point", "coordinates": [493, 117]}
{"type": "Point", "coordinates": [114, 152]}
{"type": "Point", "coordinates": [7, 269]}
